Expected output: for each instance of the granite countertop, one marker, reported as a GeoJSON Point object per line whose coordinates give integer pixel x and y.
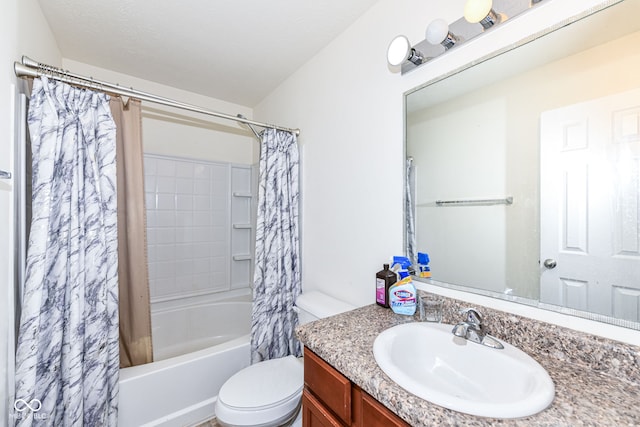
{"type": "Point", "coordinates": [597, 381]}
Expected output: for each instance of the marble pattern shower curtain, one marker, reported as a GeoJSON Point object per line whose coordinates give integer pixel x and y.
{"type": "Point", "coordinates": [277, 265]}
{"type": "Point", "coordinates": [67, 355]}
{"type": "Point", "coordinates": [409, 211]}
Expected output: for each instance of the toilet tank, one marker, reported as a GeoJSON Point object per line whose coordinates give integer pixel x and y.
{"type": "Point", "coordinates": [314, 305]}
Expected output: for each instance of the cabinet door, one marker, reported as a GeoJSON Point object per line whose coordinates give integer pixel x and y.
{"type": "Point", "coordinates": [314, 414]}
{"type": "Point", "coordinates": [328, 385]}
{"type": "Point", "coordinates": [374, 414]}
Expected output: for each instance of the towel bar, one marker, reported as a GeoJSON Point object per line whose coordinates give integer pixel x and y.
{"type": "Point", "coordinates": [504, 201]}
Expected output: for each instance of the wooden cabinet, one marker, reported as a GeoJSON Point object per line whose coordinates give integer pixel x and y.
{"type": "Point", "coordinates": [330, 387]}
{"type": "Point", "coordinates": [376, 415]}
{"type": "Point", "coordinates": [315, 414]}
{"type": "Point", "coordinates": [331, 400]}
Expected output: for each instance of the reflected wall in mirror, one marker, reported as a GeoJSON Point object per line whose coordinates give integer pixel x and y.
{"type": "Point", "coordinates": [554, 124]}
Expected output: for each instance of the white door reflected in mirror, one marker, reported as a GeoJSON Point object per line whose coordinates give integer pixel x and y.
{"type": "Point", "coordinates": [589, 204]}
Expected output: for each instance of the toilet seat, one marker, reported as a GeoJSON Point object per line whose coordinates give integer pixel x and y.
{"type": "Point", "coordinates": [265, 393]}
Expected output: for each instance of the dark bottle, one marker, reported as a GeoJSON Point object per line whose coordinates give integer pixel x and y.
{"type": "Point", "coordinates": [384, 279]}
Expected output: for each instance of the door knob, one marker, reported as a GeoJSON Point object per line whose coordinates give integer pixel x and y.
{"type": "Point", "coordinates": [550, 263]}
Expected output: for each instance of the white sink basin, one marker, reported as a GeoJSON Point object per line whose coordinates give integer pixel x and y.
{"type": "Point", "coordinates": [427, 360]}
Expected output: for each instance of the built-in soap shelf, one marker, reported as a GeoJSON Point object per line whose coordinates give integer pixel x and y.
{"type": "Point", "coordinates": [243, 191]}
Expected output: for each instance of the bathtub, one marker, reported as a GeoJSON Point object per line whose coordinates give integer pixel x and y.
{"type": "Point", "coordinates": [196, 349]}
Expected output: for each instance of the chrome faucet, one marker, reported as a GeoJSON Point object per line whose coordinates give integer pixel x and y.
{"type": "Point", "coordinates": [472, 329]}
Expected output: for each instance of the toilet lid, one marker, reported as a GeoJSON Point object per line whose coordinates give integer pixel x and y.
{"type": "Point", "coordinates": [264, 385]}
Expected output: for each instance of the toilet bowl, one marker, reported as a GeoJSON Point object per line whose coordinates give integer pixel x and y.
{"type": "Point", "coordinates": [265, 394]}
{"type": "Point", "coordinates": [268, 393]}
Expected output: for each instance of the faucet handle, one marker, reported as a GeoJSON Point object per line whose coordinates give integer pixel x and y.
{"type": "Point", "coordinates": [472, 316]}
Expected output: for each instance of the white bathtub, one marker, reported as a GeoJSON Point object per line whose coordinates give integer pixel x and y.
{"type": "Point", "coordinates": [181, 390]}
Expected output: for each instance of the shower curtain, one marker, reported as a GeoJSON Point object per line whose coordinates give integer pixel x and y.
{"type": "Point", "coordinates": [133, 273]}
{"type": "Point", "coordinates": [67, 352]}
{"type": "Point", "coordinates": [409, 211]}
{"type": "Point", "coordinates": [277, 265]}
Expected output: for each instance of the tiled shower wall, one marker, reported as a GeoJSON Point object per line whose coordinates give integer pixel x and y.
{"type": "Point", "coordinates": [199, 227]}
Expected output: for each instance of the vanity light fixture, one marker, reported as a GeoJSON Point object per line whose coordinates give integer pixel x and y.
{"type": "Point", "coordinates": [400, 51]}
{"type": "Point", "coordinates": [438, 33]}
{"type": "Point", "coordinates": [481, 11]}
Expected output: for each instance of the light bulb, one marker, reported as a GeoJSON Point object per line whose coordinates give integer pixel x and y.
{"type": "Point", "coordinates": [437, 31]}
{"type": "Point", "coordinates": [476, 10]}
{"type": "Point", "coordinates": [399, 50]}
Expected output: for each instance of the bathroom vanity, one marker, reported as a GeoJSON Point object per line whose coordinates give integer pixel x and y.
{"type": "Point", "coordinates": [330, 399]}
{"type": "Point", "coordinates": [597, 381]}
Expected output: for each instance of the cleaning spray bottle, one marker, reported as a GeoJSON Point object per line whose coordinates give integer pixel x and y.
{"type": "Point", "coordinates": [403, 297]}
{"type": "Point", "coordinates": [423, 265]}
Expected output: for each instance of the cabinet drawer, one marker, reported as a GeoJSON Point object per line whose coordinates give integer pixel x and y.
{"type": "Point", "coordinates": [374, 414]}
{"type": "Point", "coordinates": [331, 387]}
{"type": "Point", "coordinates": [316, 415]}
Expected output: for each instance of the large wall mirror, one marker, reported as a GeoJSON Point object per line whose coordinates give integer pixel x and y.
{"type": "Point", "coordinates": [523, 171]}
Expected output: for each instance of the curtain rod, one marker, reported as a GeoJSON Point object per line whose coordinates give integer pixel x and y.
{"type": "Point", "coordinates": [30, 68]}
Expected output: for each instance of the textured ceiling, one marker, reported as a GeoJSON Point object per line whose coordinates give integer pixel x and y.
{"type": "Point", "coordinates": [234, 50]}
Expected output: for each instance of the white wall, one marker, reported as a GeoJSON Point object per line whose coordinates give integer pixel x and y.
{"type": "Point", "coordinates": [174, 132]}
{"type": "Point", "coordinates": [7, 53]}
{"type": "Point", "coordinates": [33, 35]}
{"type": "Point", "coordinates": [349, 107]}
{"type": "Point", "coordinates": [23, 30]}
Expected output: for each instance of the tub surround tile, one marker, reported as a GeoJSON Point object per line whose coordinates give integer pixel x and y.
{"type": "Point", "coordinates": [190, 214]}
{"type": "Point", "coordinates": [597, 380]}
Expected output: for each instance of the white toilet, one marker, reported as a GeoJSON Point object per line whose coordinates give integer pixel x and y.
{"type": "Point", "coordinates": [268, 394]}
